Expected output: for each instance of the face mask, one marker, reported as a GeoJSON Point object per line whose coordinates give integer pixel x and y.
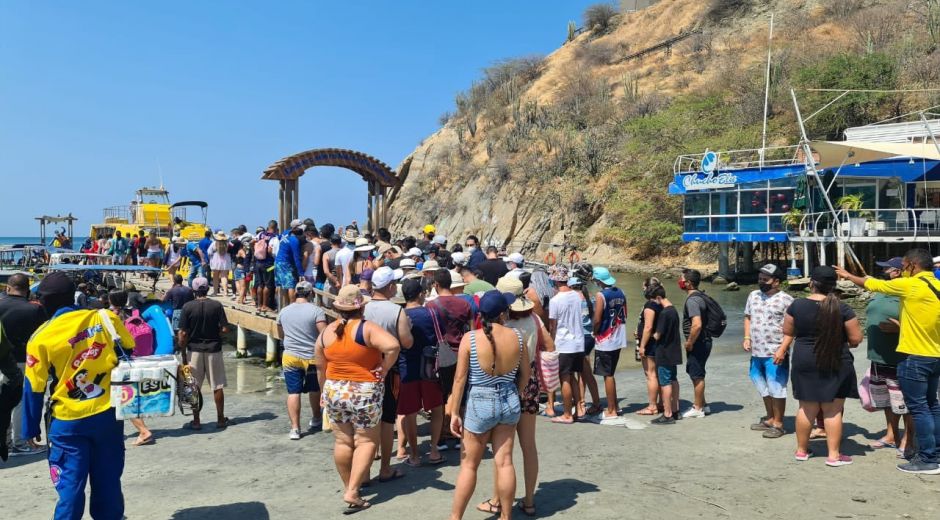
{"type": "Point", "coordinates": [765, 287]}
{"type": "Point", "coordinates": [470, 249]}
{"type": "Point", "coordinates": [683, 285]}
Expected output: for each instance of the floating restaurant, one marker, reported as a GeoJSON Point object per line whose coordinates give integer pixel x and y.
{"type": "Point", "coordinates": [873, 195]}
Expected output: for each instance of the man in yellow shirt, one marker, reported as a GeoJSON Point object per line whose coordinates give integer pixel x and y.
{"type": "Point", "coordinates": [74, 353]}
{"type": "Point", "coordinates": [919, 374]}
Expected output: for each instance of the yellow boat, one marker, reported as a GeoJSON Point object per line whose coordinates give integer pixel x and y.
{"type": "Point", "coordinates": [151, 211]}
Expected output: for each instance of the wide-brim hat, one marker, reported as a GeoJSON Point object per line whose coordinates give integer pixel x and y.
{"type": "Point", "coordinates": [350, 299]}
{"type": "Point", "coordinates": [456, 280]}
{"type": "Point", "coordinates": [362, 244]}
{"type": "Point", "coordinates": [558, 273]}
{"type": "Point", "coordinates": [430, 265]}
{"type": "Point", "coordinates": [220, 236]}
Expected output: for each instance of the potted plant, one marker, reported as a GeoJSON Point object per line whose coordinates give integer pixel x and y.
{"type": "Point", "coordinates": [792, 219]}
{"type": "Point", "coordinates": [852, 204]}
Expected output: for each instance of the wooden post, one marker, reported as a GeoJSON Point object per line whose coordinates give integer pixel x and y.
{"type": "Point", "coordinates": [270, 354]}
{"type": "Point", "coordinates": [280, 204]}
{"type": "Point", "coordinates": [295, 204]}
{"type": "Point", "coordinates": [371, 207]}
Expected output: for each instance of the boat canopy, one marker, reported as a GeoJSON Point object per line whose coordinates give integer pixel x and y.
{"type": "Point", "coordinates": [198, 203]}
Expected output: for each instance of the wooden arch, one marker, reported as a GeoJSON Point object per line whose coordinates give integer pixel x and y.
{"type": "Point", "coordinates": [378, 175]}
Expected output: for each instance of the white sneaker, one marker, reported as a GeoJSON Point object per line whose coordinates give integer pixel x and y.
{"type": "Point", "coordinates": [295, 434]}
{"type": "Point", "coordinates": [315, 424]}
{"type": "Point", "coordinates": [693, 413]}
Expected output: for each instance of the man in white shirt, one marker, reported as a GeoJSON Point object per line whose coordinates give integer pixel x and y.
{"type": "Point", "coordinates": [345, 255]}
{"type": "Point", "coordinates": [564, 322]}
{"type": "Point", "coordinates": [515, 262]}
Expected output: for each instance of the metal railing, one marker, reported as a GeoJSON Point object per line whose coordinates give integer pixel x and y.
{"type": "Point", "coordinates": [903, 222]}
{"type": "Point", "coordinates": [117, 213]}
{"type": "Point", "coordinates": [741, 159]}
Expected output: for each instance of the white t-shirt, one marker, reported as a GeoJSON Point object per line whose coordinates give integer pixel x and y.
{"type": "Point", "coordinates": [343, 258]}
{"type": "Point", "coordinates": [274, 243]}
{"type": "Point", "coordinates": [565, 309]}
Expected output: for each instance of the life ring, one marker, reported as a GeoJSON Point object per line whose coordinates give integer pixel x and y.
{"type": "Point", "coordinates": [574, 258]}
{"type": "Point", "coordinates": [550, 258]}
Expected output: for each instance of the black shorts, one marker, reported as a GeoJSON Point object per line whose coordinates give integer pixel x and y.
{"type": "Point", "coordinates": [570, 363]}
{"type": "Point", "coordinates": [390, 398]}
{"type": "Point", "coordinates": [446, 378]}
{"type": "Point", "coordinates": [264, 277]}
{"type": "Point", "coordinates": [695, 360]}
{"type": "Point", "coordinates": [605, 362]}
{"type": "Point", "coordinates": [588, 344]}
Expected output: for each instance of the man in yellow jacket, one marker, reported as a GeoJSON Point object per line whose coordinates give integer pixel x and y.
{"type": "Point", "coordinates": [919, 373]}
{"type": "Point", "coordinates": [74, 352]}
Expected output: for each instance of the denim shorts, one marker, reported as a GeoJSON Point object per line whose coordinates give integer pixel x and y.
{"type": "Point", "coordinates": [666, 374]}
{"type": "Point", "coordinates": [490, 406]}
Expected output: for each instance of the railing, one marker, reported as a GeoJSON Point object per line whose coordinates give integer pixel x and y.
{"type": "Point", "coordinates": [117, 214]}
{"type": "Point", "coordinates": [741, 159]}
{"type": "Point", "coordinates": [905, 222]}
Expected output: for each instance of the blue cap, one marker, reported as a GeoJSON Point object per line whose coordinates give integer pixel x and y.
{"type": "Point", "coordinates": [602, 275]}
{"type": "Point", "coordinates": [574, 280]}
{"type": "Point", "coordinates": [891, 262]}
{"type": "Point", "coordinates": [493, 303]}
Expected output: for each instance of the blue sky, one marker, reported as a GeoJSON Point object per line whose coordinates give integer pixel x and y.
{"type": "Point", "coordinates": [98, 98]}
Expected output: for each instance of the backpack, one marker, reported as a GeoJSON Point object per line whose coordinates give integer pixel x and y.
{"type": "Point", "coordinates": [714, 321]}
{"type": "Point", "coordinates": [142, 334]}
{"type": "Point", "coordinates": [261, 248]}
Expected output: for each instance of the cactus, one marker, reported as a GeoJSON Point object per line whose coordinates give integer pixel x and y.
{"type": "Point", "coordinates": [572, 30]}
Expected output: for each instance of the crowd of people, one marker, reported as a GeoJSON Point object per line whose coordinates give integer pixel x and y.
{"type": "Point", "coordinates": [470, 338]}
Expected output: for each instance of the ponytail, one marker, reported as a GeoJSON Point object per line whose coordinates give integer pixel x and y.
{"type": "Point", "coordinates": [341, 328]}
{"type": "Point", "coordinates": [488, 331]}
{"type": "Point", "coordinates": [830, 330]}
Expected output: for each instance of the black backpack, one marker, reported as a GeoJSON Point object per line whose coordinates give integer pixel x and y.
{"type": "Point", "coordinates": [714, 322]}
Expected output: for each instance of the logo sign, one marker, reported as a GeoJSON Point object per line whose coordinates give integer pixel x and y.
{"type": "Point", "coordinates": [712, 179]}
{"type": "Point", "coordinates": [709, 162]}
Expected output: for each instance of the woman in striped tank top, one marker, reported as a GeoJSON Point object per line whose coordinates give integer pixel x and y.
{"type": "Point", "coordinates": [491, 360]}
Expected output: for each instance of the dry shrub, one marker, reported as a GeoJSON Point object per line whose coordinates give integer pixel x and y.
{"type": "Point", "coordinates": [594, 54]}
{"type": "Point", "coordinates": [599, 18]}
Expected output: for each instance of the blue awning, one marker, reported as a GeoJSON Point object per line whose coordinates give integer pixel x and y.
{"type": "Point", "coordinates": [905, 168]}
{"type": "Point", "coordinates": [734, 237]}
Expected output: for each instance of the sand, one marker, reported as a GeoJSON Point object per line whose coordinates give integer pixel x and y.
{"type": "Point", "coordinates": [700, 468]}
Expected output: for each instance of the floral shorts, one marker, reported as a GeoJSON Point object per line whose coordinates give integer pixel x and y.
{"type": "Point", "coordinates": [530, 393]}
{"type": "Point", "coordinates": [353, 402]}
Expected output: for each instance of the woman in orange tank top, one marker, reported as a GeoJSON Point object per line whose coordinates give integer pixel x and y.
{"type": "Point", "coordinates": [353, 356]}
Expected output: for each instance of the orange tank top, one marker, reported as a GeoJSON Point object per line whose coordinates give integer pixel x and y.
{"type": "Point", "coordinates": [349, 360]}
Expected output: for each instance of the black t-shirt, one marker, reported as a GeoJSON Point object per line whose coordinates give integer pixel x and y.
{"type": "Point", "coordinates": [669, 347]}
{"type": "Point", "coordinates": [321, 271]}
{"type": "Point", "coordinates": [203, 321]}
{"type": "Point", "coordinates": [179, 296]}
{"type": "Point", "coordinates": [20, 319]}
{"type": "Point", "coordinates": [493, 269]}
{"type": "Point", "coordinates": [805, 312]}
{"type": "Point", "coordinates": [657, 308]}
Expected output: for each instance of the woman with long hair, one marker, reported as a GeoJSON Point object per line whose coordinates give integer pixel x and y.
{"type": "Point", "coordinates": [494, 361]}
{"type": "Point", "coordinates": [646, 345]}
{"type": "Point", "coordinates": [220, 263]}
{"type": "Point", "coordinates": [822, 369]}
{"type": "Point", "coordinates": [154, 248]}
{"type": "Point", "coordinates": [353, 356]}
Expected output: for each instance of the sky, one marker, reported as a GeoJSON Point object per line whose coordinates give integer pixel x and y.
{"type": "Point", "coordinates": [100, 98]}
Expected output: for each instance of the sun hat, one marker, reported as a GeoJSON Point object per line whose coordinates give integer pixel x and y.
{"type": "Point", "coordinates": [295, 223]}
{"type": "Point", "coordinates": [459, 258]}
{"type": "Point", "coordinates": [200, 283]}
{"type": "Point", "coordinates": [429, 229]}
{"type": "Point", "coordinates": [399, 297]}
{"type": "Point", "coordinates": [362, 244]}
{"type": "Point", "coordinates": [512, 285]}
{"type": "Point", "coordinates": [602, 275]}
{"type": "Point", "coordinates": [406, 264]}
{"type": "Point", "coordinates": [220, 235]}
{"type": "Point", "coordinates": [350, 299]}
{"type": "Point", "coordinates": [456, 280]}
{"type": "Point", "coordinates": [350, 235]}
{"type": "Point", "coordinates": [493, 303]}
{"type": "Point", "coordinates": [430, 265]}
{"type": "Point", "coordinates": [824, 274]}
{"type": "Point", "coordinates": [774, 271]}
{"type": "Point", "coordinates": [414, 252]}
{"type": "Point", "coordinates": [385, 247]}
{"type": "Point", "coordinates": [439, 239]}
{"type": "Point", "coordinates": [558, 273]}
{"type": "Point", "coordinates": [516, 258]}
{"type": "Point", "coordinates": [259, 229]}
{"type": "Point", "coordinates": [385, 275]}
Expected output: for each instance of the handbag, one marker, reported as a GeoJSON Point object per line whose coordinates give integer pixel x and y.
{"type": "Point", "coordinates": [546, 363]}
{"type": "Point", "coordinates": [864, 392]}
{"type": "Point", "coordinates": [446, 357]}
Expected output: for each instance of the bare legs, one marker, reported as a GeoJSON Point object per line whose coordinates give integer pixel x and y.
{"type": "Point", "coordinates": [473, 447]}
{"type": "Point", "coordinates": [610, 390]}
{"type": "Point", "coordinates": [698, 386]}
{"type": "Point", "coordinates": [293, 408]}
{"type": "Point", "coordinates": [586, 378]}
{"type": "Point", "coordinates": [569, 394]}
{"type": "Point", "coordinates": [219, 397]}
{"type": "Point", "coordinates": [143, 433]}
{"type": "Point", "coordinates": [652, 382]}
{"type": "Point", "coordinates": [530, 462]}
{"type": "Point", "coordinates": [832, 418]}
{"type": "Point", "coordinates": [353, 451]}
{"type": "Point", "coordinates": [671, 399]}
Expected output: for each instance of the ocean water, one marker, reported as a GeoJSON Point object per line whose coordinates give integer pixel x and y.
{"type": "Point", "coordinates": [5, 241]}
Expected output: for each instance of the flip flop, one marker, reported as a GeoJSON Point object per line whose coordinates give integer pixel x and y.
{"type": "Point", "coordinates": [646, 411]}
{"type": "Point", "coordinates": [879, 444]}
{"type": "Point", "coordinates": [408, 462]}
{"type": "Point", "coordinates": [352, 509]}
{"type": "Point", "coordinates": [395, 476]}
{"type": "Point", "coordinates": [594, 410]}
{"type": "Point", "coordinates": [191, 426]}
{"type": "Point", "coordinates": [401, 458]}
{"type": "Point", "coordinates": [489, 507]}
{"type": "Point", "coordinates": [143, 442]}
{"type": "Point", "coordinates": [527, 510]}
{"type": "Point", "coordinates": [562, 420]}
{"type": "Point", "coordinates": [224, 424]}
{"type": "Point", "coordinates": [440, 460]}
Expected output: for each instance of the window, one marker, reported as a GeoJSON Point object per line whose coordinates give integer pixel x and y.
{"type": "Point", "coordinates": [753, 224]}
{"type": "Point", "coordinates": [776, 224]}
{"type": "Point", "coordinates": [725, 203]}
{"type": "Point", "coordinates": [754, 202]}
{"type": "Point", "coordinates": [780, 201]}
{"type": "Point", "coordinates": [724, 224]}
{"type": "Point", "coordinates": [696, 225]}
{"type": "Point", "coordinates": [696, 204]}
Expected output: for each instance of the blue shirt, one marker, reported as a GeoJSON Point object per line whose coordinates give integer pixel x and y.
{"type": "Point", "coordinates": [191, 254]}
{"type": "Point", "coordinates": [476, 258]}
{"type": "Point", "coordinates": [204, 245]}
{"type": "Point", "coordinates": [289, 253]}
{"type": "Point", "coordinates": [422, 329]}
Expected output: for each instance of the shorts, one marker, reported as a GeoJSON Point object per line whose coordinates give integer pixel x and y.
{"type": "Point", "coordinates": [650, 350]}
{"type": "Point", "coordinates": [605, 362]}
{"type": "Point", "coordinates": [491, 406]}
{"type": "Point", "coordinates": [770, 379]}
{"type": "Point", "coordinates": [300, 375]}
{"type": "Point", "coordinates": [666, 374]}
{"type": "Point", "coordinates": [353, 402]}
{"type": "Point", "coordinates": [885, 390]}
{"type": "Point", "coordinates": [239, 274]}
{"type": "Point", "coordinates": [589, 343]}
{"type": "Point", "coordinates": [208, 364]}
{"type": "Point", "coordinates": [530, 394]}
{"type": "Point", "coordinates": [570, 363]}
{"type": "Point", "coordinates": [158, 255]}
{"type": "Point", "coordinates": [445, 377]}
{"type": "Point", "coordinates": [695, 360]}
{"type": "Point", "coordinates": [284, 276]}
{"type": "Point", "coordinates": [419, 395]}
{"type": "Point", "coordinates": [264, 276]}
{"type": "Point", "coordinates": [390, 398]}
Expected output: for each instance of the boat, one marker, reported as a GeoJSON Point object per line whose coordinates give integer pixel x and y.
{"type": "Point", "coordinates": [151, 211]}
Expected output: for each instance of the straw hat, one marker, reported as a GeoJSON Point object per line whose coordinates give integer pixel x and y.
{"type": "Point", "coordinates": [512, 285]}
{"type": "Point", "coordinates": [430, 265]}
{"type": "Point", "coordinates": [350, 299]}
{"type": "Point", "coordinates": [362, 244]}
{"type": "Point", "coordinates": [220, 235]}
{"type": "Point", "coordinates": [456, 280]}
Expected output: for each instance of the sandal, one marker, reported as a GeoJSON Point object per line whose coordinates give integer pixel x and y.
{"type": "Point", "coordinates": [394, 476]}
{"type": "Point", "coordinates": [528, 510]}
{"type": "Point", "coordinates": [223, 424]}
{"type": "Point", "coordinates": [191, 426]}
{"type": "Point", "coordinates": [408, 462]}
{"type": "Point", "coordinates": [647, 411]}
{"type": "Point", "coordinates": [880, 443]}
{"type": "Point", "coordinates": [489, 507]}
{"type": "Point", "coordinates": [143, 441]}
{"type": "Point", "coordinates": [440, 460]}
{"type": "Point", "coordinates": [352, 508]}
{"type": "Point", "coordinates": [562, 420]}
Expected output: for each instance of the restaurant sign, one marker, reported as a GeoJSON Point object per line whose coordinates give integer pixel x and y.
{"type": "Point", "coordinates": [712, 178]}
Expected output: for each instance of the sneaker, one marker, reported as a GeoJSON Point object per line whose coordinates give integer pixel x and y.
{"type": "Point", "coordinates": [295, 434]}
{"type": "Point", "coordinates": [457, 444]}
{"type": "Point", "coordinates": [773, 433]}
{"type": "Point", "coordinates": [761, 426]}
{"type": "Point", "coordinates": [315, 424]}
{"type": "Point", "coordinates": [662, 419]}
{"type": "Point", "coordinates": [26, 450]}
{"type": "Point", "coordinates": [802, 455]}
{"type": "Point", "coordinates": [443, 446]}
{"type": "Point", "coordinates": [843, 460]}
{"type": "Point", "coordinates": [693, 413]}
{"type": "Point", "coordinates": [918, 466]}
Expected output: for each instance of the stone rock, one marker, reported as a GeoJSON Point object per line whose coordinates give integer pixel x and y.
{"type": "Point", "coordinates": [719, 280]}
{"type": "Point", "coordinates": [732, 287]}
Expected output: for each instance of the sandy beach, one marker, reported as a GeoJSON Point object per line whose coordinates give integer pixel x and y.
{"type": "Point", "coordinates": [699, 468]}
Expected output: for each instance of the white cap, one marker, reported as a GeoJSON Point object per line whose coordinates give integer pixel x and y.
{"type": "Point", "coordinates": [385, 275]}
{"type": "Point", "coordinates": [406, 263]}
{"type": "Point", "coordinates": [936, 259]}
{"type": "Point", "coordinates": [516, 258]}
{"type": "Point", "coordinates": [456, 280]}
{"type": "Point", "coordinates": [459, 258]}
{"type": "Point", "coordinates": [296, 223]}
{"type": "Point", "coordinates": [439, 239]}
{"type": "Point", "coordinates": [415, 252]}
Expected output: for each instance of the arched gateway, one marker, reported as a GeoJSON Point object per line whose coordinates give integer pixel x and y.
{"type": "Point", "coordinates": [288, 171]}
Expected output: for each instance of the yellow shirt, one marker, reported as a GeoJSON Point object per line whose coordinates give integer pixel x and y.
{"type": "Point", "coordinates": [79, 350]}
{"type": "Point", "coordinates": [920, 312]}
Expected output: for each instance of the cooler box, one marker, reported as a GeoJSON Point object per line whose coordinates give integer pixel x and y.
{"type": "Point", "coordinates": [144, 387]}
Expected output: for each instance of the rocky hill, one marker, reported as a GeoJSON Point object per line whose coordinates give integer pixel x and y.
{"type": "Point", "coordinates": [578, 147]}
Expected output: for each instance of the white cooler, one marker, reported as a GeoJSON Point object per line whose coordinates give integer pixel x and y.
{"type": "Point", "coordinates": [144, 387]}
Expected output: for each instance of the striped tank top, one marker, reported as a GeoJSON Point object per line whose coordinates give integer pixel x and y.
{"type": "Point", "coordinates": [480, 378]}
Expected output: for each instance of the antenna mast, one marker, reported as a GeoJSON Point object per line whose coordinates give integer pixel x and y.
{"type": "Point", "coordinates": [763, 143]}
